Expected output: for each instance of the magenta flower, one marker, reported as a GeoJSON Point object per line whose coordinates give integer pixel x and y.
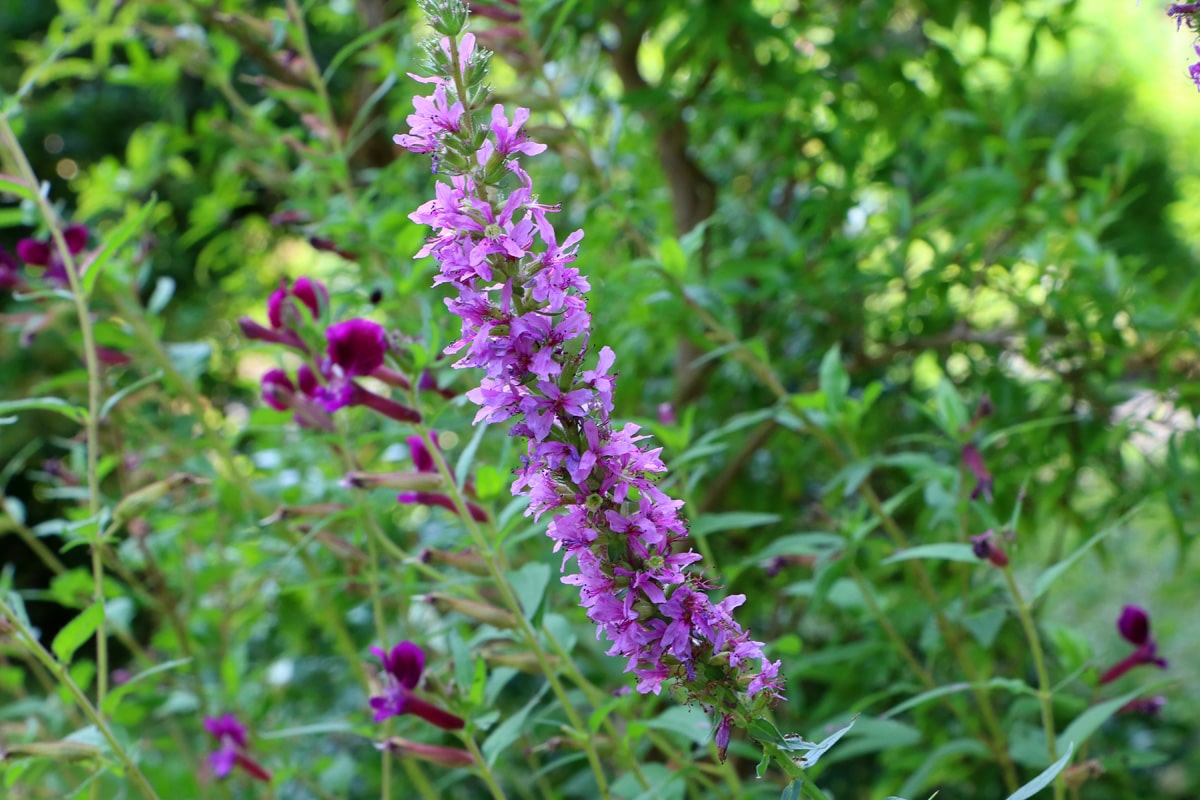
{"type": "Point", "coordinates": [278, 389]}
{"type": "Point", "coordinates": [11, 278]}
{"type": "Point", "coordinates": [986, 549]}
{"type": "Point", "coordinates": [1134, 627]}
{"type": "Point", "coordinates": [972, 459]}
{"type": "Point", "coordinates": [441, 501]}
{"type": "Point", "coordinates": [356, 347]}
{"type": "Point", "coordinates": [44, 253]}
{"type": "Point", "coordinates": [402, 668]}
{"type": "Point", "coordinates": [1183, 12]}
{"type": "Point", "coordinates": [231, 748]}
{"type": "Point", "coordinates": [284, 313]}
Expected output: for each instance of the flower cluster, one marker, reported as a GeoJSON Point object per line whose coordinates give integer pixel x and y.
{"type": "Point", "coordinates": [1188, 13]}
{"type": "Point", "coordinates": [353, 348]}
{"type": "Point", "coordinates": [525, 323]}
{"type": "Point", "coordinates": [1134, 627]}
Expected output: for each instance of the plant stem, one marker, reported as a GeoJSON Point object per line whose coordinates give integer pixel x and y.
{"type": "Point", "coordinates": [81, 699]}
{"type": "Point", "coordinates": [514, 606]}
{"type": "Point", "coordinates": [92, 364]}
{"type": "Point", "coordinates": [1045, 694]}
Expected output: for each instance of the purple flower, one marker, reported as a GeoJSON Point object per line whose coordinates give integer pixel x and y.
{"type": "Point", "coordinates": [1183, 12]}
{"type": "Point", "coordinates": [441, 501]}
{"type": "Point", "coordinates": [11, 278]}
{"type": "Point", "coordinates": [435, 116]}
{"type": "Point", "coordinates": [1145, 706]}
{"type": "Point", "coordinates": [356, 347]}
{"type": "Point", "coordinates": [277, 389]}
{"type": "Point", "coordinates": [422, 460]}
{"type": "Point", "coordinates": [44, 253]}
{"type": "Point", "coordinates": [986, 549]}
{"type": "Point", "coordinates": [402, 668]}
{"type": "Point", "coordinates": [283, 313]}
{"type": "Point", "coordinates": [1134, 627]}
{"type": "Point", "coordinates": [1194, 69]}
{"type": "Point", "coordinates": [972, 459]}
{"type": "Point", "coordinates": [231, 748]}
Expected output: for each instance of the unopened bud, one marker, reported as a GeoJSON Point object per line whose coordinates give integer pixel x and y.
{"type": "Point", "coordinates": [467, 560]}
{"type": "Point", "coordinates": [433, 753]}
{"type": "Point", "coordinates": [145, 498]}
{"type": "Point", "coordinates": [482, 612]}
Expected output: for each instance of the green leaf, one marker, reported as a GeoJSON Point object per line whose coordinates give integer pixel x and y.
{"type": "Point", "coordinates": [815, 543]}
{"type": "Point", "coordinates": [1008, 684]}
{"type": "Point", "coordinates": [77, 631]}
{"type": "Point", "coordinates": [1089, 721]}
{"type": "Point", "coordinates": [190, 358]}
{"type": "Point", "coordinates": [686, 721]}
{"type": "Point", "coordinates": [674, 261]}
{"type": "Point", "coordinates": [813, 752]}
{"type": "Point", "coordinates": [732, 520]}
{"type": "Point", "coordinates": [463, 468]}
{"type": "Point", "coordinates": [67, 409]}
{"type": "Point", "coordinates": [114, 241]}
{"type": "Point", "coordinates": [943, 551]}
{"type": "Point", "coordinates": [11, 184]}
{"type": "Point", "coordinates": [952, 413]}
{"type": "Point", "coordinates": [113, 699]}
{"type": "Point", "coordinates": [509, 730]}
{"type": "Point", "coordinates": [529, 583]}
{"type": "Point", "coordinates": [793, 791]}
{"type": "Point", "coordinates": [111, 402]}
{"type": "Point", "coordinates": [834, 382]}
{"type": "Point", "coordinates": [1044, 779]}
{"type": "Point", "coordinates": [1055, 571]}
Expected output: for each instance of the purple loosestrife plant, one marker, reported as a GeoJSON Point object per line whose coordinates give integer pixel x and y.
{"type": "Point", "coordinates": [44, 253]}
{"type": "Point", "coordinates": [525, 323]}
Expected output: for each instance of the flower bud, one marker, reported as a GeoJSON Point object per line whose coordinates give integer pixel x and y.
{"type": "Point", "coordinates": [496, 617]}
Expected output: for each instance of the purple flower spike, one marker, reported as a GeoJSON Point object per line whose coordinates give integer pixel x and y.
{"type": "Point", "coordinates": [402, 668]}
{"type": "Point", "coordinates": [231, 748]}
{"type": "Point", "coordinates": [972, 459]}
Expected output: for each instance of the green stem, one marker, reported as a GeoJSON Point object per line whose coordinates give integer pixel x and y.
{"type": "Point", "coordinates": [81, 700]}
{"type": "Point", "coordinates": [92, 364]}
{"type": "Point", "coordinates": [513, 605]}
{"type": "Point", "coordinates": [1045, 693]}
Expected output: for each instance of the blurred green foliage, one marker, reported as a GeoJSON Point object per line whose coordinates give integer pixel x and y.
{"type": "Point", "coordinates": [928, 190]}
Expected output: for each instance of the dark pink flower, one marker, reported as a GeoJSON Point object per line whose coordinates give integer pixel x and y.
{"type": "Point", "coordinates": [402, 668]}
{"type": "Point", "coordinates": [281, 311]}
{"type": "Point", "coordinates": [44, 253]}
{"type": "Point", "coordinates": [231, 748]}
{"type": "Point", "coordinates": [11, 278]}
{"type": "Point", "coordinates": [972, 459]}
{"type": "Point", "coordinates": [986, 549]}
{"type": "Point", "coordinates": [1134, 627]}
{"type": "Point", "coordinates": [278, 389]}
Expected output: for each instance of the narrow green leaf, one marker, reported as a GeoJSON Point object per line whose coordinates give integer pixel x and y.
{"type": "Point", "coordinates": [114, 241]}
{"type": "Point", "coordinates": [1044, 779]}
{"type": "Point", "coordinates": [77, 631]}
{"type": "Point", "coordinates": [111, 402]}
{"type": "Point", "coordinates": [463, 468]}
{"type": "Point", "coordinates": [733, 520]}
{"type": "Point", "coordinates": [943, 551]}
{"type": "Point", "coordinates": [1008, 684]}
{"type": "Point", "coordinates": [674, 262]}
{"type": "Point", "coordinates": [1089, 721]}
{"type": "Point", "coordinates": [793, 791]}
{"type": "Point", "coordinates": [529, 583]}
{"type": "Point", "coordinates": [67, 409]}
{"type": "Point", "coordinates": [315, 729]}
{"type": "Point", "coordinates": [11, 184]}
{"type": "Point", "coordinates": [113, 699]}
{"type": "Point", "coordinates": [509, 730]}
{"type": "Point", "coordinates": [1055, 571]}
{"type": "Point", "coordinates": [834, 382]}
{"type": "Point", "coordinates": [813, 752]}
